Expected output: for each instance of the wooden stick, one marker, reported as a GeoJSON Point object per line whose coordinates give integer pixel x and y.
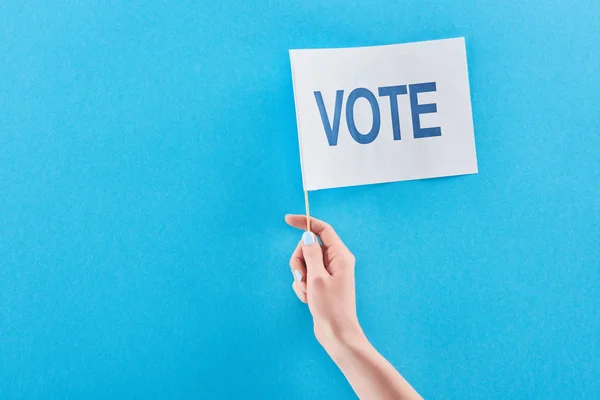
{"type": "Point", "coordinates": [307, 210]}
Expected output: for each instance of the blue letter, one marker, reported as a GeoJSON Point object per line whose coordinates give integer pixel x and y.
{"type": "Point", "coordinates": [417, 109]}
{"type": "Point", "coordinates": [355, 95]}
{"type": "Point", "coordinates": [393, 92]}
{"type": "Point", "coordinates": [331, 130]}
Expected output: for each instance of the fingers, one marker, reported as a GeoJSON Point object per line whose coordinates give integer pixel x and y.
{"type": "Point", "coordinates": [313, 257]}
{"type": "Point", "coordinates": [299, 272]}
{"type": "Point", "coordinates": [297, 264]}
{"type": "Point", "coordinates": [300, 291]}
{"type": "Point", "coordinates": [322, 229]}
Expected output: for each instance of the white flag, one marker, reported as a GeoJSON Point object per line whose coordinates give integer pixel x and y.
{"type": "Point", "coordinates": [383, 114]}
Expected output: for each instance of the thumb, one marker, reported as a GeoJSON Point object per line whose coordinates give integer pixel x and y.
{"type": "Point", "coordinates": [313, 255]}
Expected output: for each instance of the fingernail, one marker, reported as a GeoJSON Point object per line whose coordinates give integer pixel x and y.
{"type": "Point", "coordinates": [298, 275]}
{"type": "Point", "coordinates": [308, 238]}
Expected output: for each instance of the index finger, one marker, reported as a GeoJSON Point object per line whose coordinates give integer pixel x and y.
{"type": "Point", "coordinates": [320, 228]}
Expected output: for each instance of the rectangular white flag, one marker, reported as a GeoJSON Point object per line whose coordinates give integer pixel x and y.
{"type": "Point", "coordinates": [383, 114]}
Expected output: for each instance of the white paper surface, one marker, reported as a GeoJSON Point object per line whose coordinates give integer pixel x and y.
{"type": "Point", "coordinates": [327, 164]}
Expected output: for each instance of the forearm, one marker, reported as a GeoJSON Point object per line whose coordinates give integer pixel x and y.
{"type": "Point", "coordinates": [368, 372]}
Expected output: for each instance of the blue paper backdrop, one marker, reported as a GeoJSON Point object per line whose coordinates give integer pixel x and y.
{"type": "Point", "coordinates": [148, 154]}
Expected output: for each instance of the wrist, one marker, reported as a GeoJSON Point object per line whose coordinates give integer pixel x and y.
{"type": "Point", "coordinates": [346, 343]}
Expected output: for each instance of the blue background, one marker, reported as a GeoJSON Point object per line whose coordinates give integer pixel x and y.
{"type": "Point", "coordinates": [148, 154]}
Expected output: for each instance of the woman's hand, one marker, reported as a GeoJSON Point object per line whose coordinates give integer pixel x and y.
{"type": "Point", "coordinates": [324, 278]}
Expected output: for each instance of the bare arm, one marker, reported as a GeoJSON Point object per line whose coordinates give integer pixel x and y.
{"type": "Point", "coordinates": [324, 279]}
{"type": "Point", "coordinates": [368, 372]}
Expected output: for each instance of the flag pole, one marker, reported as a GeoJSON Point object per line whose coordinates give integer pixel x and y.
{"type": "Point", "coordinates": [307, 210]}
